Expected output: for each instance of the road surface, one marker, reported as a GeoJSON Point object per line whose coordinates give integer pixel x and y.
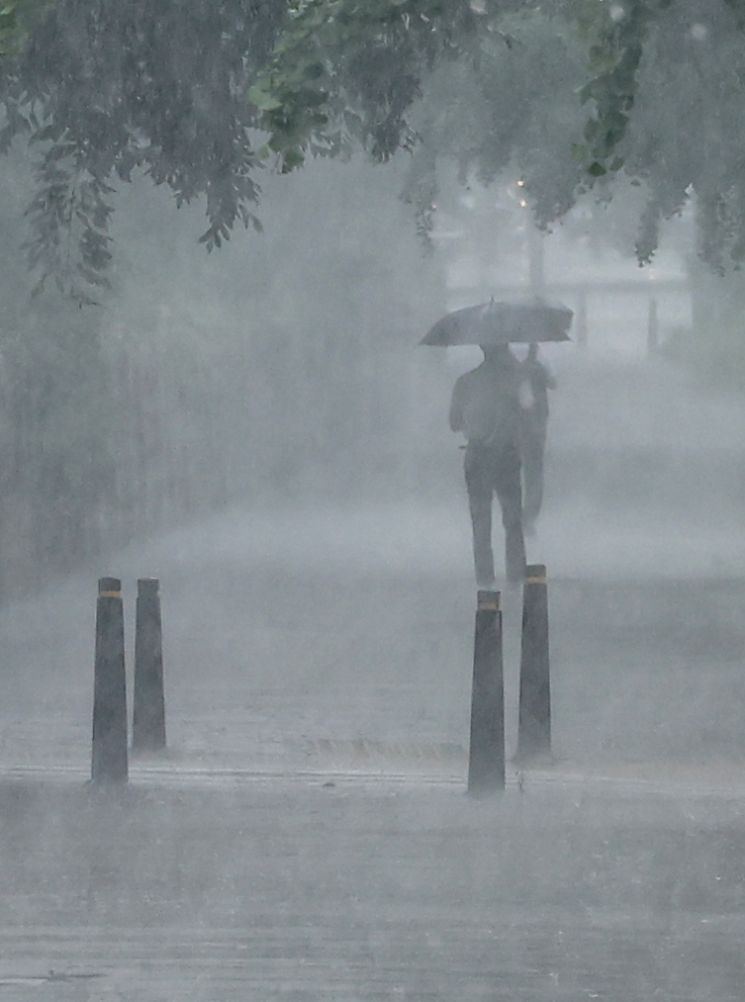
{"type": "Point", "coordinates": [307, 836]}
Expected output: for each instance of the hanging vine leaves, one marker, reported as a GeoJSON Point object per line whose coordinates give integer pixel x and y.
{"type": "Point", "coordinates": [101, 89]}
{"type": "Point", "coordinates": [202, 96]}
{"type": "Point", "coordinates": [346, 72]}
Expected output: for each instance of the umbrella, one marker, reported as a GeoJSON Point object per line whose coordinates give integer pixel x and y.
{"type": "Point", "coordinates": [499, 323]}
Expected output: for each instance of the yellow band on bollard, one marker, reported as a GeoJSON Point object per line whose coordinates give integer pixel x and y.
{"type": "Point", "coordinates": [109, 594]}
{"type": "Point", "coordinates": [488, 602]}
{"type": "Point", "coordinates": [535, 580]}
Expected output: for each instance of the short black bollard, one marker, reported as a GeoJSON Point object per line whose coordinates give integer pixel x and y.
{"type": "Point", "coordinates": [486, 754]}
{"type": "Point", "coordinates": [109, 758]}
{"type": "Point", "coordinates": [149, 712]}
{"type": "Point", "coordinates": [534, 728]}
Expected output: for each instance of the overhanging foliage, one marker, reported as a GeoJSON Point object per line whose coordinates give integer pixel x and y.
{"type": "Point", "coordinates": [202, 95]}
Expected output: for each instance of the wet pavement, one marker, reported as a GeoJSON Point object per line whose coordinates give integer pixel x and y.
{"type": "Point", "coordinates": [307, 835]}
{"type": "Point", "coordinates": [303, 890]}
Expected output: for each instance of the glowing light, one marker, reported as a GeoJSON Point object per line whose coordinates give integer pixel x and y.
{"type": "Point", "coordinates": [617, 12]}
{"type": "Point", "coordinates": [699, 32]}
{"type": "Point", "coordinates": [521, 183]}
{"type": "Point", "coordinates": [523, 204]}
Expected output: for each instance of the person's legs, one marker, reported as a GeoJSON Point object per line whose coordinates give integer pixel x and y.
{"type": "Point", "coordinates": [509, 492]}
{"type": "Point", "coordinates": [480, 492]}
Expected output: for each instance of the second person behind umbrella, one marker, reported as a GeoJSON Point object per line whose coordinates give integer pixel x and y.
{"type": "Point", "coordinates": [537, 381]}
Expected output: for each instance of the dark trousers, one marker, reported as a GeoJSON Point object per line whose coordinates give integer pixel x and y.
{"type": "Point", "coordinates": [495, 470]}
{"type": "Point", "coordinates": [533, 447]}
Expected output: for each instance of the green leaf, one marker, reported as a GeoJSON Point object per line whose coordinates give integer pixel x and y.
{"type": "Point", "coordinates": [292, 159]}
{"type": "Point", "coordinates": [263, 99]}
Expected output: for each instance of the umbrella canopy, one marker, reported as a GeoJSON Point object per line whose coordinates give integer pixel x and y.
{"type": "Point", "coordinates": [499, 323]}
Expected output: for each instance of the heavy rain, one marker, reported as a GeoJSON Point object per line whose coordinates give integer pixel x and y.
{"type": "Point", "coordinates": [330, 670]}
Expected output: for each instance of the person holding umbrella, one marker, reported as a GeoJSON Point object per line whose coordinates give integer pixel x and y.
{"type": "Point", "coordinates": [486, 408]}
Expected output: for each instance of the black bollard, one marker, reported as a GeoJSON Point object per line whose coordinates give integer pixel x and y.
{"type": "Point", "coordinates": [486, 754]}
{"type": "Point", "coordinates": [149, 713]}
{"type": "Point", "coordinates": [534, 728]}
{"type": "Point", "coordinates": [109, 758]}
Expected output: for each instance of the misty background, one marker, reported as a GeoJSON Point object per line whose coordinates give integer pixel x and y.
{"type": "Point", "coordinates": [284, 368]}
{"type": "Point", "coordinates": [264, 414]}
